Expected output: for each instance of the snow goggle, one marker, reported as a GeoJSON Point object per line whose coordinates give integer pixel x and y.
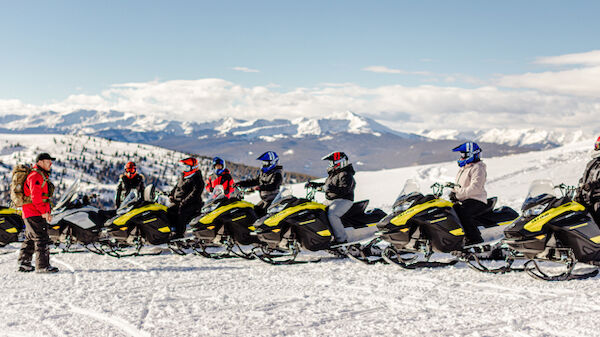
{"type": "Point", "coordinates": [597, 146]}
{"type": "Point", "coordinates": [130, 170]}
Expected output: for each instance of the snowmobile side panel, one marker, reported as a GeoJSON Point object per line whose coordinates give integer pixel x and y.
{"type": "Point", "coordinates": [11, 224]}
{"type": "Point", "coordinates": [277, 218]}
{"type": "Point", "coordinates": [210, 217]}
{"type": "Point", "coordinates": [446, 234]}
{"type": "Point", "coordinates": [405, 216]}
{"type": "Point", "coordinates": [123, 219]}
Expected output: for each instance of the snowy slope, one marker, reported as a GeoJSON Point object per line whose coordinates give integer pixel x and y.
{"type": "Point", "coordinates": [171, 295]}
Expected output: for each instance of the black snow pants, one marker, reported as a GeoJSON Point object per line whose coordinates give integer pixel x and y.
{"type": "Point", "coordinates": [36, 240]}
{"type": "Point", "coordinates": [466, 210]}
{"type": "Point", "coordinates": [180, 217]}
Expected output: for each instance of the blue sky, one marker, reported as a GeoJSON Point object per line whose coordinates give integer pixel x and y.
{"type": "Point", "coordinates": [51, 50]}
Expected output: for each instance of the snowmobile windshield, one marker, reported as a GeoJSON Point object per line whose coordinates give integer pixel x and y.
{"type": "Point", "coordinates": [128, 203]}
{"type": "Point", "coordinates": [217, 193]}
{"type": "Point", "coordinates": [540, 187]}
{"type": "Point", "coordinates": [278, 203]}
{"type": "Point", "coordinates": [538, 190]}
{"type": "Point", "coordinates": [410, 186]}
{"type": "Point", "coordinates": [407, 196]}
{"type": "Point", "coordinates": [68, 195]}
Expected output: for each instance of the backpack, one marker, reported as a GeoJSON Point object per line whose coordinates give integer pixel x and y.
{"type": "Point", "coordinates": [17, 185]}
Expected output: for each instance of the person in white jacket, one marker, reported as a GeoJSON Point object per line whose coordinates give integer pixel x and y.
{"type": "Point", "coordinates": [469, 192]}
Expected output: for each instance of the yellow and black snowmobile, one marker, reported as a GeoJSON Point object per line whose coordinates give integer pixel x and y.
{"type": "Point", "coordinates": [139, 221]}
{"type": "Point", "coordinates": [224, 225]}
{"type": "Point", "coordinates": [76, 222]}
{"type": "Point", "coordinates": [293, 223]}
{"type": "Point", "coordinates": [557, 230]}
{"type": "Point", "coordinates": [421, 225]}
{"type": "Point", "coordinates": [11, 225]}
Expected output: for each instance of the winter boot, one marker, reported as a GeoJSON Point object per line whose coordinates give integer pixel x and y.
{"type": "Point", "coordinates": [26, 268]}
{"type": "Point", "coordinates": [47, 270]}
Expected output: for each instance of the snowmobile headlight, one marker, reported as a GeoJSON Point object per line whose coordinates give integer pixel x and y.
{"type": "Point", "coordinates": [403, 207]}
{"type": "Point", "coordinates": [534, 211]}
{"type": "Point", "coordinates": [209, 208]}
{"type": "Point", "coordinates": [276, 209]}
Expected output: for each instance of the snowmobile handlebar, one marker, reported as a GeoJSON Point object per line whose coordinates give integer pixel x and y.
{"type": "Point", "coordinates": [438, 189]}
{"type": "Point", "coordinates": [566, 190]}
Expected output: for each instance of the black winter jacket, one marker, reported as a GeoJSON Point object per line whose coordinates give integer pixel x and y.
{"type": "Point", "coordinates": [126, 185]}
{"type": "Point", "coordinates": [589, 185]}
{"type": "Point", "coordinates": [268, 183]}
{"type": "Point", "coordinates": [340, 183]}
{"type": "Point", "coordinates": [187, 194]}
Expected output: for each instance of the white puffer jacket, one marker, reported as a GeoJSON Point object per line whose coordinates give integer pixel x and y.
{"type": "Point", "coordinates": [471, 179]}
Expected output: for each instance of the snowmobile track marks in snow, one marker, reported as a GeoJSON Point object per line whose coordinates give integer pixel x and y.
{"type": "Point", "coordinates": [117, 322]}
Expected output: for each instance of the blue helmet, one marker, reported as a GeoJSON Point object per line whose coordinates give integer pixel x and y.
{"type": "Point", "coordinates": [216, 161]}
{"type": "Point", "coordinates": [470, 153]}
{"type": "Point", "coordinates": [270, 160]}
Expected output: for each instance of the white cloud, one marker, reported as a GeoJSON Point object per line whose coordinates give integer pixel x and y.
{"type": "Point", "coordinates": [245, 70]}
{"type": "Point", "coordinates": [566, 98]}
{"type": "Point", "coordinates": [587, 58]}
{"type": "Point", "coordinates": [386, 70]}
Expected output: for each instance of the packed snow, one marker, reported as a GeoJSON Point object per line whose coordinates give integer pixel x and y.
{"type": "Point", "coordinates": [169, 295]}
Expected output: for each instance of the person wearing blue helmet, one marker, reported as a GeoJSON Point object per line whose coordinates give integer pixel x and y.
{"type": "Point", "coordinates": [469, 194]}
{"type": "Point", "coordinates": [267, 182]}
{"type": "Point", "coordinates": [221, 176]}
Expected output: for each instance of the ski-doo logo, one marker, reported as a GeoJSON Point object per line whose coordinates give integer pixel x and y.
{"type": "Point", "coordinates": [538, 222]}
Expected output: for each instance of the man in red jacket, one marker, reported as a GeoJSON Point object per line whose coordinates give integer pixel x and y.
{"type": "Point", "coordinates": [36, 211]}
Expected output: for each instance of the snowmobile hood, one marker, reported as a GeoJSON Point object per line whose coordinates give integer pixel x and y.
{"type": "Point", "coordinates": [211, 216]}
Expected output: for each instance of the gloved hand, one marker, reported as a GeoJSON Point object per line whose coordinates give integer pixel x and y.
{"type": "Point", "coordinates": [309, 184]}
{"type": "Point", "coordinates": [453, 197]}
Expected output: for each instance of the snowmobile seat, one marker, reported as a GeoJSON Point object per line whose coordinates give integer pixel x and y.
{"type": "Point", "coordinates": [359, 206]}
{"type": "Point", "coordinates": [491, 203]}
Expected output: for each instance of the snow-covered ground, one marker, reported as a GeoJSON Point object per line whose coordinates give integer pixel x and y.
{"type": "Point", "coordinates": [170, 295]}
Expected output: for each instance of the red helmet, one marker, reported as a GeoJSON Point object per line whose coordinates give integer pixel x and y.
{"type": "Point", "coordinates": [597, 146]}
{"type": "Point", "coordinates": [191, 161]}
{"type": "Point", "coordinates": [130, 167]}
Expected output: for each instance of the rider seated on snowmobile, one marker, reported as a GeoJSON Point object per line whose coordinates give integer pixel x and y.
{"type": "Point", "coordinates": [469, 194]}
{"type": "Point", "coordinates": [186, 196]}
{"type": "Point", "coordinates": [128, 181]}
{"type": "Point", "coordinates": [339, 192]}
{"type": "Point", "coordinates": [588, 192]}
{"type": "Point", "coordinates": [221, 177]}
{"type": "Point", "coordinates": [267, 181]}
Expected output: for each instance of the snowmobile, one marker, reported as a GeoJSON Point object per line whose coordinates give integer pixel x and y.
{"type": "Point", "coordinates": [293, 223]}
{"type": "Point", "coordinates": [421, 225]}
{"type": "Point", "coordinates": [11, 226]}
{"type": "Point", "coordinates": [75, 221]}
{"type": "Point", "coordinates": [223, 225]}
{"type": "Point", "coordinates": [554, 229]}
{"type": "Point", "coordinates": [138, 221]}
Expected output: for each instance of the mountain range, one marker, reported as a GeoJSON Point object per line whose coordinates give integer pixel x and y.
{"type": "Point", "coordinates": [299, 142]}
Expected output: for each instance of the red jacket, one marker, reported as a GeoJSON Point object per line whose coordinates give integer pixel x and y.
{"type": "Point", "coordinates": [223, 179]}
{"type": "Point", "coordinates": [38, 191]}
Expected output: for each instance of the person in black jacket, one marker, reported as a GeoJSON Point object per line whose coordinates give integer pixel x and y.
{"type": "Point", "coordinates": [339, 191]}
{"type": "Point", "coordinates": [268, 181]}
{"type": "Point", "coordinates": [129, 181]}
{"type": "Point", "coordinates": [186, 196]}
{"type": "Point", "coordinates": [588, 192]}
